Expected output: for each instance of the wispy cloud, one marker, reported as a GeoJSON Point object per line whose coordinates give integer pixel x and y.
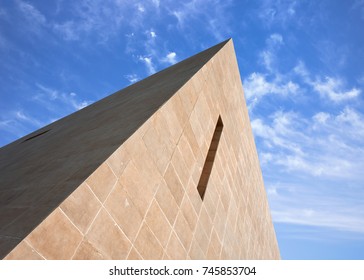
{"type": "Point", "coordinates": [334, 90]}
{"type": "Point", "coordinates": [211, 12]}
{"type": "Point", "coordinates": [17, 123]}
{"type": "Point", "coordinates": [301, 70]}
{"type": "Point", "coordinates": [31, 13]}
{"type": "Point", "coordinates": [156, 3]}
{"type": "Point", "coordinates": [268, 56]}
{"type": "Point", "coordinates": [279, 133]}
{"type": "Point", "coordinates": [343, 219]}
{"type": "Point", "coordinates": [132, 78]}
{"type": "Point", "coordinates": [275, 39]}
{"type": "Point", "coordinates": [318, 205]}
{"type": "Point", "coordinates": [140, 7]}
{"type": "Point", "coordinates": [311, 167]}
{"type": "Point", "coordinates": [152, 34]}
{"type": "Point", "coordinates": [69, 30]}
{"type": "Point", "coordinates": [311, 162]}
{"type": "Point", "coordinates": [332, 55]}
{"type": "Point", "coordinates": [277, 12]}
{"type": "Point", "coordinates": [170, 58]}
{"type": "Point", "coordinates": [21, 116]}
{"type": "Point", "coordinates": [52, 98]}
{"type": "Point", "coordinates": [256, 86]}
{"type": "Point", "coordinates": [329, 88]}
{"type": "Point", "coordinates": [94, 19]}
{"type": "Point", "coordinates": [323, 145]}
{"type": "Point", "coordinates": [148, 64]}
{"type": "Point", "coordinates": [309, 158]}
{"type": "Point", "coordinates": [271, 81]}
{"type": "Point", "coordinates": [34, 20]}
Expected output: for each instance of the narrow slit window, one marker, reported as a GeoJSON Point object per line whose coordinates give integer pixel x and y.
{"type": "Point", "coordinates": [37, 135]}
{"type": "Point", "coordinates": [206, 171]}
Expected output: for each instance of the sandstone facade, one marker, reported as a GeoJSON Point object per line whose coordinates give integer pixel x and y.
{"type": "Point", "coordinates": [164, 169]}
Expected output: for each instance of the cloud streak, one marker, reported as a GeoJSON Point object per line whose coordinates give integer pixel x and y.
{"type": "Point", "coordinates": [277, 12]}
{"type": "Point", "coordinates": [148, 64]}
{"type": "Point", "coordinates": [323, 149]}
{"type": "Point", "coordinates": [94, 19]}
{"type": "Point", "coordinates": [31, 13]}
{"type": "Point", "coordinates": [52, 98]}
{"type": "Point", "coordinates": [211, 12]}
{"type": "Point", "coordinates": [329, 88]}
{"type": "Point", "coordinates": [257, 86]}
{"type": "Point", "coordinates": [333, 90]}
{"type": "Point", "coordinates": [310, 158]}
{"type": "Point", "coordinates": [171, 58]}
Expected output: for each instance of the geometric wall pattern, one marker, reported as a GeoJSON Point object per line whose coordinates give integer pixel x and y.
{"type": "Point", "coordinates": [166, 168]}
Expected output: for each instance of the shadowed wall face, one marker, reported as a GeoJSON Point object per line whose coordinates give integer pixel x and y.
{"type": "Point", "coordinates": [185, 184]}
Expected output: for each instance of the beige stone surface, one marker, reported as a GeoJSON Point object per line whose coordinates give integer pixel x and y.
{"type": "Point", "coordinates": [56, 237]}
{"type": "Point", "coordinates": [124, 184]}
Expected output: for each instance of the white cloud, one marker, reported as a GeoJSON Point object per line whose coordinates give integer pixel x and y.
{"type": "Point", "coordinates": [211, 12]}
{"type": "Point", "coordinates": [323, 145]}
{"type": "Point", "coordinates": [329, 88]}
{"type": "Point", "coordinates": [21, 116]}
{"type": "Point", "coordinates": [153, 34]}
{"type": "Point", "coordinates": [275, 39]}
{"type": "Point", "coordinates": [339, 220]}
{"type": "Point", "coordinates": [256, 86]}
{"type": "Point", "coordinates": [73, 100]}
{"type": "Point", "coordinates": [156, 3]}
{"type": "Point", "coordinates": [180, 16]}
{"type": "Point", "coordinates": [51, 97]}
{"type": "Point", "coordinates": [148, 63]}
{"type": "Point", "coordinates": [34, 21]}
{"type": "Point", "coordinates": [69, 30]}
{"type": "Point", "coordinates": [265, 158]}
{"type": "Point", "coordinates": [318, 206]}
{"type": "Point", "coordinates": [268, 56]}
{"type": "Point", "coordinates": [140, 8]}
{"type": "Point", "coordinates": [170, 58]}
{"type": "Point", "coordinates": [52, 94]}
{"type": "Point", "coordinates": [13, 125]}
{"type": "Point", "coordinates": [301, 70]}
{"type": "Point", "coordinates": [333, 89]}
{"type": "Point", "coordinates": [312, 167]}
{"type": "Point", "coordinates": [350, 122]}
{"type": "Point", "coordinates": [277, 12]}
{"type": "Point", "coordinates": [132, 78]}
{"type": "Point", "coordinates": [94, 18]}
{"type": "Point", "coordinates": [18, 123]}
{"type": "Point", "coordinates": [279, 134]}
{"type": "Point", "coordinates": [321, 118]}
{"type": "Point", "coordinates": [31, 13]}
{"type": "Point", "coordinates": [332, 54]}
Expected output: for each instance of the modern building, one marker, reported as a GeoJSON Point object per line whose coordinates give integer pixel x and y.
{"type": "Point", "coordinates": [166, 168]}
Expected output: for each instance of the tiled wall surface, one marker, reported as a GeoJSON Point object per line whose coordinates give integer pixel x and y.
{"type": "Point", "coordinates": [143, 203]}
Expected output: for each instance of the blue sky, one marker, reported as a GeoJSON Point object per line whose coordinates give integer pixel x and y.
{"type": "Point", "coordinates": [301, 64]}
